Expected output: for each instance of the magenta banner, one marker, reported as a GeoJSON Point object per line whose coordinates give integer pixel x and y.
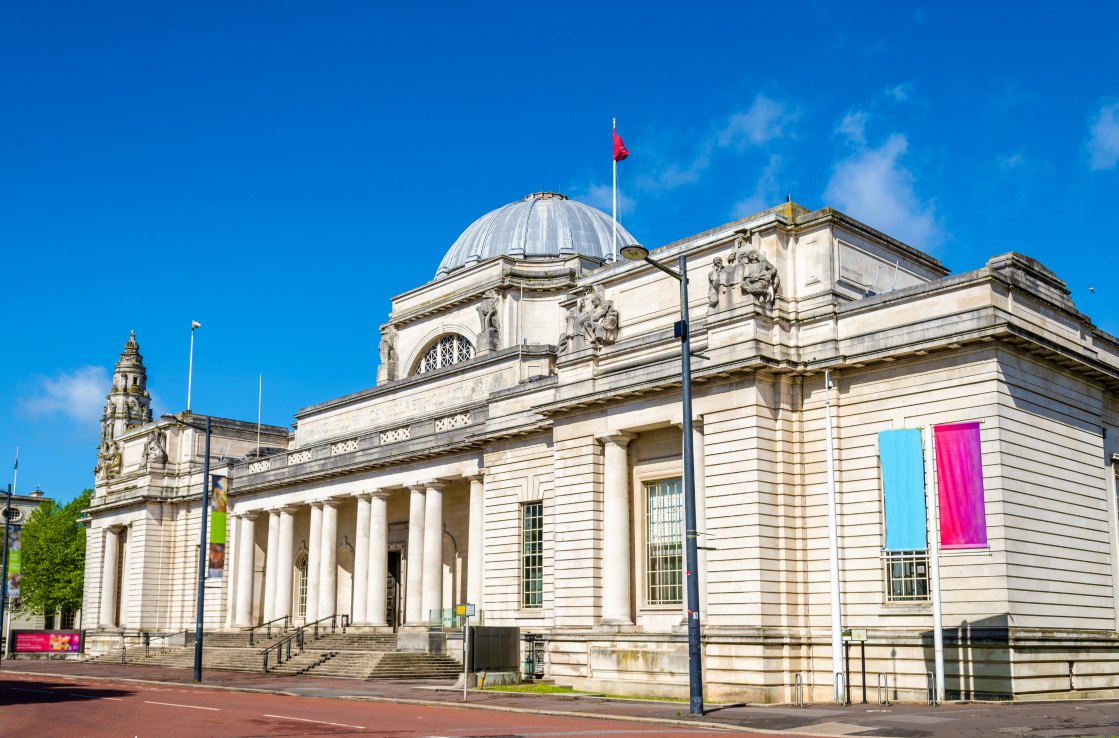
{"type": "Point", "coordinates": [47, 641]}
{"type": "Point", "coordinates": [959, 483]}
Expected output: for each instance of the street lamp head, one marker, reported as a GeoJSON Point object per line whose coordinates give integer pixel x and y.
{"type": "Point", "coordinates": [634, 252]}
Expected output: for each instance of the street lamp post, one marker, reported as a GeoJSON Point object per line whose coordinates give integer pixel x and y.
{"type": "Point", "coordinates": [4, 573]}
{"type": "Point", "coordinates": [202, 556]}
{"type": "Point", "coordinates": [636, 252]}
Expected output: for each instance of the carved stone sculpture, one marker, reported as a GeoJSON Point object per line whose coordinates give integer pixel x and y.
{"type": "Point", "coordinates": [602, 320]}
{"type": "Point", "coordinates": [387, 348]}
{"type": "Point", "coordinates": [759, 278]}
{"type": "Point", "coordinates": [113, 461]}
{"type": "Point", "coordinates": [567, 338]}
{"type": "Point", "coordinates": [154, 452]}
{"type": "Point", "coordinates": [715, 281]}
{"type": "Point", "coordinates": [487, 316]}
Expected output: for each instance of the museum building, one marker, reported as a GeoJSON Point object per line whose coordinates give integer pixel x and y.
{"type": "Point", "coordinates": [521, 452]}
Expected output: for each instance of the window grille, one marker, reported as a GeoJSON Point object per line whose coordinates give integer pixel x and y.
{"type": "Point", "coordinates": [664, 542]}
{"type": "Point", "coordinates": [448, 350]}
{"type": "Point", "coordinates": [532, 555]}
{"type": "Point", "coordinates": [907, 576]}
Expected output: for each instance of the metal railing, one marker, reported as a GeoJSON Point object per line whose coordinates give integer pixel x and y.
{"type": "Point", "coordinates": [283, 646]}
{"type": "Point", "coordinates": [447, 619]}
{"type": "Point", "coordinates": [268, 628]}
{"type": "Point", "coordinates": [146, 640]}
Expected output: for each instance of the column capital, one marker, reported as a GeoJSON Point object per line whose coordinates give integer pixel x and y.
{"type": "Point", "coordinates": [435, 484]}
{"type": "Point", "coordinates": [697, 423]}
{"type": "Point", "coordinates": [478, 476]}
{"type": "Point", "coordinates": [289, 509]}
{"type": "Point", "coordinates": [363, 495]}
{"type": "Point", "coordinates": [249, 514]}
{"type": "Point", "coordinates": [617, 438]}
{"type": "Point", "coordinates": [380, 494]}
{"type": "Point", "coordinates": [331, 502]}
{"type": "Point", "coordinates": [116, 528]}
{"type": "Point", "coordinates": [417, 487]}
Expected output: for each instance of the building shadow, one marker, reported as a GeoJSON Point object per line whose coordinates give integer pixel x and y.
{"type": "Point", "coordinates": [976, 659]}
{"type": "Point", "coordinates": [27, 692]}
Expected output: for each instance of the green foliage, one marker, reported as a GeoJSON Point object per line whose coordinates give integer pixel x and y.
{"type": "Point", "coordinates": [54, 557]}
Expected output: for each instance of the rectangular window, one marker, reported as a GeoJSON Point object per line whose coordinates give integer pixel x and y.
{"type": "Point", "coordinates": [907, 576]}
{"type": "Point", "coordinates": [664, 542]}
{"type": "Point", "coordinates": [532, 555]}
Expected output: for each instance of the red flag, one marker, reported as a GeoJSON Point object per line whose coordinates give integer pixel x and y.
{"type": "Point", "coordinates": [620, 151]}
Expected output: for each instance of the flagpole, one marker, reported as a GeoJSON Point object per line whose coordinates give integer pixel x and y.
{"type": "Point", "coordinates": [259, 398]}
{"type": "Point", "coordinates": [190, 366]}
{"type": "Point", "coordinates": [614, 252]}
{"type": "Point", "coordinates": [15, 473]}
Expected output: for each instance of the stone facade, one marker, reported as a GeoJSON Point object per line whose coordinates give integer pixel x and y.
{"type": "Point", "coordinates": [521, 447]}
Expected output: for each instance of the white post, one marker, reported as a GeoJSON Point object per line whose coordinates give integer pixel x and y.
{"type": "Point", "coordinates": [833, 544]}
{"type": "Point", "coordinates": [190, 366]}
{"type": "Point", "coordinates": [932, 507]}
{"type": "Point", "coordinates": [614, 212]}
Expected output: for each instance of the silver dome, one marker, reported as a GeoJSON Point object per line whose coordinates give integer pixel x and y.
{"type": "Point", "coordinates": [544, 224]}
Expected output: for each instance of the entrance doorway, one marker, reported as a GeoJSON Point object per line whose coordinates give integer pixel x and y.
{"type": "Point", "coordinates": [392, 614]}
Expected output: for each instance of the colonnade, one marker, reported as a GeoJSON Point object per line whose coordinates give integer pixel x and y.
{"type": "Point", "coordinates": [423, 590]}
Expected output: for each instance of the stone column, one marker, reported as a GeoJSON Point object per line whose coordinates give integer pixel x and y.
{"type": "Point", "coordinates": [617, 570]}
{"type": "Point", "coordinates": [475, 562]}
{"type": "Point", "coordinates": [314, 554]}
{"type": "Point", "coordinates": [108, 613]}
{"type": "Point", "coordinates": [361, 561]}
{"type": "Point", "coordinates": [246, 547]}
{"type": "Point", "coordinates": [270, 565]}
{"type": "Point", "coordinates": [376, 608]}
{"type": "Point", "coordinates": [328, 559]}
{"type": "Point", "coordinates": [433, 549]}
{"type": "Point", "coordinates": [413, 587]}
{"type": "Point", "coordinates": [283, 570]}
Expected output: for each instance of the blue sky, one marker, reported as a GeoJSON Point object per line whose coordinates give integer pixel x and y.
{"type": "Point", "coordinates": [277, 171]}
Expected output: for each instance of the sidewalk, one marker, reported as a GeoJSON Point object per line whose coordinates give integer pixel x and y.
{"type": "Point", "coordinates": [955, 720]}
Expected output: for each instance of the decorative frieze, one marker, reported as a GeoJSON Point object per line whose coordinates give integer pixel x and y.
{"type": "Point", "coordinates": [343, 447]}
{"type": "Point", "coordinates": [299, 457]}
{"type": "Point", "coordinates": [399, 434]}
{"type": "Point", "coordinates": [452, 421]}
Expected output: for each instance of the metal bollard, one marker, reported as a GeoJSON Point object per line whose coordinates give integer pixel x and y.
{"type": "Point", "coordinates": [883, 688]}
{"type": "Point", "coordinates": [930, 687]}
{"type": "Point", "coordinates": [798, 690]}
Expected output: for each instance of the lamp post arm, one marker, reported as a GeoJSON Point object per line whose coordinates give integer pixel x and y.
{"type": "Point", "coordinates": [672, 273]}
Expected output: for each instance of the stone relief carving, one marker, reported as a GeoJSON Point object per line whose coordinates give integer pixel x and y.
{"type": "Point", "coordinates": [155, 454]}
{"type": "Point", "coordinates": [487, 316]}
{"type": "Point", "coordinates": [747, 272]}
{"type": "Point", "coordinates": [387, 348]}
{"type": "Point", "coordinates": [111, 466]}
{"type": "Point", "coordinates": [601, 323]}
{"type": "Point", "coordinates": [566, 340]}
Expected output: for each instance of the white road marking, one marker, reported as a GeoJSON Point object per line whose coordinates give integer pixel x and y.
{"type": "Point", "coordinates": [172, 704]}
{"type": "Point", "coordinates": [320, 722]}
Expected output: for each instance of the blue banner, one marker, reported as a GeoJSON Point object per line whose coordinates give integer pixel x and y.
{"type": "Point", "coordinates": [903, 489]}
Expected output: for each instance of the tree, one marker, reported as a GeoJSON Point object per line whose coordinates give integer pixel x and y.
{"type": "Point", "coordinates": [54, 557]}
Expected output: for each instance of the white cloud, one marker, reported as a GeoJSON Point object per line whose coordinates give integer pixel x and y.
{"type": "Point", "coordinates": [601, 197]}
{"type": "Point", "coordinates": [766, 120]}
{"type": "Point", "coordinates": [874, 186]}
{"type": "Point", "coordinates": [900, 93]}
{"type": "Point", "coordinates": [765, 194]}
{"type": "Point", "coordinates": [1103, 143]}
{"type": "Point", "coordinates": [853, 126]}
{"type": "Point", "coordinates": [78, 395]}
{"type": "Point", "coordinates": [1010, 162]}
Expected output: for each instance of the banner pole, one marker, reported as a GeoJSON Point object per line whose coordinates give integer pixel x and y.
{"type": "Point", "coordinates": [4, 581]}
{"type": "Point", "coordinates": [614, 211]}
{"type": "Point", "coordinates": [202, 556]}
{"type": "Point", "coordinates": [932, 508]}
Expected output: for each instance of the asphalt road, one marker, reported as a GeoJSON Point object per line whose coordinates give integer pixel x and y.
{"type": "Point", "coordinates": [45, 707]}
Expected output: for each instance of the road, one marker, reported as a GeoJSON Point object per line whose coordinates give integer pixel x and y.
{"type": "Point", "coordinates": [46, 707]}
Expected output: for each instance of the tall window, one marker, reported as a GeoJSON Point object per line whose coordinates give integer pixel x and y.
{"type": "Point", "coordinates": [301, 603]}
{"type": "Point", "coordinates": [664, 542]}
{"type": "Point", "coordinates": [907, 576]}
{"type": "Point", "coordinates": [450, 349]}
{"type": "Point", "coordinates": [532, 555]}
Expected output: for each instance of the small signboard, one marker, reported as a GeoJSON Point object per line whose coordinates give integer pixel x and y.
{"type": "Point", "coordinates": [47, 641]}
{"type": "Point", "coordinates": [466, 610]}
{"type": "Point", "coordinates": [854, 634]}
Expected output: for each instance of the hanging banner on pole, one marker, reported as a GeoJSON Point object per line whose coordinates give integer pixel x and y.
{"type": "Point", "coordinates": [959, 486]}
{"type": "Point", "coordinates": [219, 503]}
{"type": "Point", "coordinates": [903, 489]}
{"type": "Point", "coordinates": [14, 561]}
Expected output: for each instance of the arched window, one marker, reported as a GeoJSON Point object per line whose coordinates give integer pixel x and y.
{"type": "Point", "coordinates": [301, 602]}
{"type": "Point", "coordinates": [447, 350]}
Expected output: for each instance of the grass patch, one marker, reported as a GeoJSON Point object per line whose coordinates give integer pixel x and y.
{"type": "Point", "coordinates": [533, 689]}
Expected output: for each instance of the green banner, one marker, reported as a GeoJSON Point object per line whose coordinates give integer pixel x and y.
{"type": "Point", "coordinates": [219, 503]}
{"type": "Point", "coordinates": [14, 560]}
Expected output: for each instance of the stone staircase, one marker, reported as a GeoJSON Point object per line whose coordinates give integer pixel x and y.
{"type": "Point", "coordinates": [337, 655]}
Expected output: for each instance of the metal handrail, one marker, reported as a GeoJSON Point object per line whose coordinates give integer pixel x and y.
{"type": "Point", "coordinates": [146, 641]}
{"type": "Point", "coordinates": [252, 630]}
{"type": "Point", "coordinates": [930, 688]}
{"type": "Point", "coordinates": [333, 624]}
{"type": "Point", "coordinates": [280, 646]}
